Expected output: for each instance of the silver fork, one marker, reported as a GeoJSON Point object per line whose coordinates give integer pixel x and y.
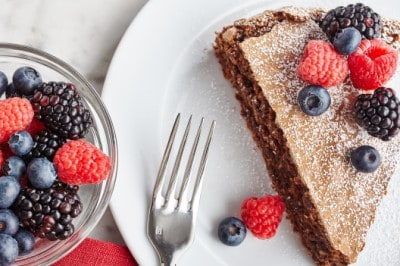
{"type": "Point", "coordinates": [171, 220]}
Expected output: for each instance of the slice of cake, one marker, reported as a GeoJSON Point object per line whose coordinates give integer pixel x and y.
{"type": "Point", "coordinates": [329, 203]}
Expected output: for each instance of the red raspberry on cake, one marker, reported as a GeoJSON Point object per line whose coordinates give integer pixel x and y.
{"type": "Point", "coordinates": [262, 216]}
{"type": "Point", "coordinates": [79, 162]}
{"type": "Point", "coordinates": [15, 114]}
{"type": "Point", "coordinates": [322, 65]}
{"type": "Point", "coordinates": [372, 64]}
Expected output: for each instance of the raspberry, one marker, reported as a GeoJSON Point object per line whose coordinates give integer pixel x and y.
{"type": "Point", "coordinates": [2, 157]}
{"type": "Point", "coordinates": [80, 162]}
{"type": "Point", "coordinates": [322, 65]}
{"type": "Point", "coordinates": [372, 64]}
{"type": "Point", "coordinates": [15, 114]}
{"type": "Point", "coordinates": [23, 181]}
{"type": "Point", "coordinates": [262, 215]}
{"type": "Point", "coordinates": [35, 126]}
{"type": "Point", "coordinates": [5, 151]}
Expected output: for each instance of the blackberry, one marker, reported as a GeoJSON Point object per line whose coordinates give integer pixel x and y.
{"type": "Point", "coordinates": [48, 213]}
{"type": "Point", "coordinates": [59, 106]}
{"type": "Point", "coordinates": [359, 16]}
{"type": "Point", "coordinates": [45, 144]}
{"type": "Point", "coordinates": [379, 113]}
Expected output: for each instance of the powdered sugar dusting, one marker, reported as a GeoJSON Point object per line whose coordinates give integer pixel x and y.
{"type": "Point", "coordinates": [320, 146]}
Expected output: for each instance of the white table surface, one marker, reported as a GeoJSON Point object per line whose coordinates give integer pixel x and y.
{"type": "Point", "coordinates": [83, 33]}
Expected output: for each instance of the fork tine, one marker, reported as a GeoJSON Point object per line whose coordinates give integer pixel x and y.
{"type": "Point", "coordinates": [189, 164]}
{"type": "Point", "coordinates": [165, 217]}
{"type": "Point", "coordinates": [161, 172]}
{"type": "Point", "coordinates": [200, 171]}
{"type": "Point", "coordinates": [172, 182]}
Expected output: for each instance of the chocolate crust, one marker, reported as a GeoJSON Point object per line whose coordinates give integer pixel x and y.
{"type": "Point", "coordinates": [269, 137]}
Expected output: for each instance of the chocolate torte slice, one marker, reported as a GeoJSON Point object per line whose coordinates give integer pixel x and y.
{"type": "Point", "coordinates": [330, 204]}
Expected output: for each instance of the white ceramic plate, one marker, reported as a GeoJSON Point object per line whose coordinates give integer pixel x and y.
{"type": "Point", "coordinates": [165, 64]}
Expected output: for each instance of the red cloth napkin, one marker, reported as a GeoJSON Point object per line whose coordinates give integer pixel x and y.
{"type": "Point", "coordinates": [95, 252]}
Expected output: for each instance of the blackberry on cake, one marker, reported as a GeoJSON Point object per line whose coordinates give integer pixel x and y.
{"type": "Point", "coordinates": [48, 213]}
{"type": "Point", "coordinates": [379, 113]}
{"type": "Point", "coordinates": [359, 16]}
{"type": "Point", "coordinates": [60, 107]}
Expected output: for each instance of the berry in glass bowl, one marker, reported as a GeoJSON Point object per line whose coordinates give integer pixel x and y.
{"type": "Point", "coordinates": [42, 87]}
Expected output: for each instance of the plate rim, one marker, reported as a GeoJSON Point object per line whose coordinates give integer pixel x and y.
{"type": "Point", "coordinates": [143, 15]}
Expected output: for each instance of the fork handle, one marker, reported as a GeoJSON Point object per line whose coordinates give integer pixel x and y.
{"type": "Point", "coordinates": [167, 264]}
{"type": "Point", "coordinates": [167, 257]}
{"type": "Point", "coordinates": [167, 261]}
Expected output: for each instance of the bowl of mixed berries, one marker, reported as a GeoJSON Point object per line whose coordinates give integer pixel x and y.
{"type": "Point", "coordinates": [58, 157]}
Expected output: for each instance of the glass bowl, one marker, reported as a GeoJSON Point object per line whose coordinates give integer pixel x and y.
{"type": "Point", "coordinates": [95, 198]}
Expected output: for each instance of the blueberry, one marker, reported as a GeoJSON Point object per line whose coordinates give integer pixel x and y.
{"type": "Point", "coordinates": [20, 142]}
{"type": "Point", "coordinates": [8, 249]}
{"type": "Point", "coordinates": [314, 100]}
{"type": "Point", "coordinates": [25, 240]}
{"type": "Point", "coordinates": [14, 166]}
{"type": "Point", "coordinates": [26, 80]}
{"type": "Point", "coordinates": [11, 91]}
{"type": "Point", "coordinates": [231, 231]}
{"type": "Point", "coordinates": [365, 159]}
{"type": "Point", "coordinates": [3, 83]}
{"type": "Point", "coordinates": [9, 222]}
{"type": "Point", "coordinates": [41, 173]}
{"type": "Point", "coordinates": [347, 40]}
{"type": "Point", "coordinates": [9, 190]}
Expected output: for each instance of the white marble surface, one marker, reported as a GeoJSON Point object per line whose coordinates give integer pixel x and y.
{"type": "Point", "coordinates": [83, 33]}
